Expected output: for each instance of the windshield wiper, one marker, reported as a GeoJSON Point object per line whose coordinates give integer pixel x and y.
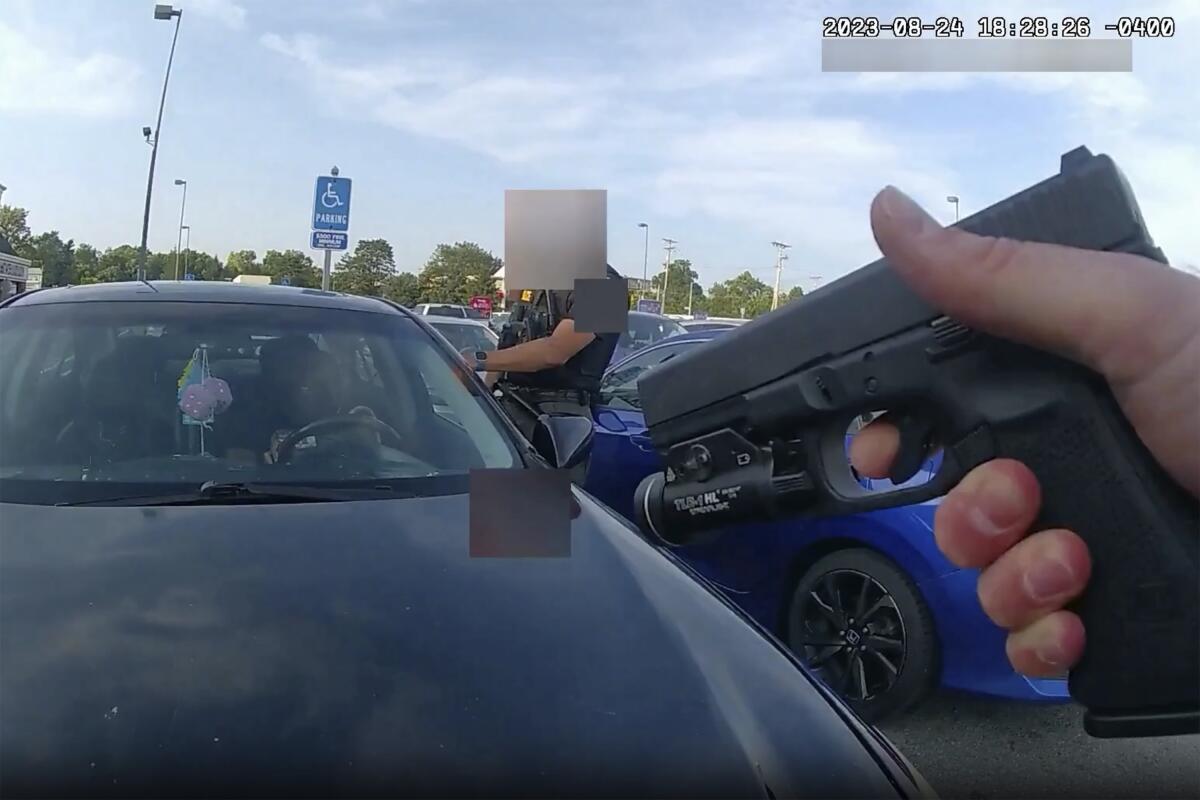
{"type": "Point", "coordinates": [214, 493]}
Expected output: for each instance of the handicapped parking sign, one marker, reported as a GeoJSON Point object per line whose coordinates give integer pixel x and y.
{"type": "Point", "coordinates": [331, 204]}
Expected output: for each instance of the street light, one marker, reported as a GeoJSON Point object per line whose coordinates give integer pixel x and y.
{"type": "Point", "coordinates": [953, 199]}
{"type": "Point", "coordinates": [645, 255]}
{"type": "Point", "coordinates": [187, 259]}
{"type": "Point", "coordinates": [161, 12]}
{"type": "Point", "coordinates": [182, 206]}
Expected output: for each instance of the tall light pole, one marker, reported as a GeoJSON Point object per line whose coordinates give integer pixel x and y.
{"type": "Point", "coordinates": [182, 206]}
{"type": "Point", "coordinates": [161, 12]}
{"type": "Point", "coordinates": [669, 246]}
{"type": "Point", "coordinates": [645, 256]}
{"type": "Point", "coordinates": [953, 199]}
{"type": "Point", "coordinates": [780, 257]}
{"type": "Point", "coordinates": [187, 259]}
{"type": "Point", "coordinates": [2, 188]}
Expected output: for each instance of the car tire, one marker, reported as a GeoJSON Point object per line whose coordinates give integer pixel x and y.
{"type": "Point", "coordinates": [856, 659]}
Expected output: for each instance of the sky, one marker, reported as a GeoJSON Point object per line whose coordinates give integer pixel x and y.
{"type": "Point", "coordinates": [709, 120]}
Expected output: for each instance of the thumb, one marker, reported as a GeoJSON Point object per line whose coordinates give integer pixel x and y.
{"type": "Point", "coordinates": [1120, 314]}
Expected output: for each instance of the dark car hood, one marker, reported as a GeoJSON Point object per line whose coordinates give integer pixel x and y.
{"type": "Point", "coordinates": [356, 648]}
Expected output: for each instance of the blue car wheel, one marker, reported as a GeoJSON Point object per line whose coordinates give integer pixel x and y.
{"type": "Point", "coordinates": [862, 627]}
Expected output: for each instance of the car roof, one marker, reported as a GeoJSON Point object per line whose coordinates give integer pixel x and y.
{"type": "Point", "coordinates": [203, 292]}
{"type": "Point", "coordinates": [697, 337]}
{"type": "Point", "coordinates": [436, 320]}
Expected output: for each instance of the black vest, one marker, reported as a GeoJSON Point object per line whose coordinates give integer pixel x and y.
{"type": "Point", "coordinates": [584, 369]}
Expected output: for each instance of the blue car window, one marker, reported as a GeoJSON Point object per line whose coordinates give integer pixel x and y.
{"type": "Point", "coordinates": [619, 387]}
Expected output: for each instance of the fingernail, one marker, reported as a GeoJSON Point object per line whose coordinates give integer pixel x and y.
{"type": "Point", "coordinates": [1051, 653]}
{"type": "Point", "coordinates": [1046, 580]}
{"type": "Point", "coordinates": [996, 505]}
{"type": "Point", "coordinates": [904, 213]}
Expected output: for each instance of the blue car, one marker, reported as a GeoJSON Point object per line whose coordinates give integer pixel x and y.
{"type": "Point", "coordinates": [643, 329]}
{"type": "Point", "coordinates": [867, 601]}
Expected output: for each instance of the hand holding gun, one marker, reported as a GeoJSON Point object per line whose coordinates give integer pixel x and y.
{"type": "Point", "coordinates": [1062, 387]}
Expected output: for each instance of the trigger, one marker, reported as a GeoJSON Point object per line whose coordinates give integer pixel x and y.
{"type": "Point", "coordinates": [916, 440]}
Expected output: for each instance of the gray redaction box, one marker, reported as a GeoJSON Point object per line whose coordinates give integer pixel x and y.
{"type": "Point", "coordinates": [541, 530]}
{"type": "Point", "coordinates": [553, 237]}
{"type": "Point", "coordinates": [601, 306]}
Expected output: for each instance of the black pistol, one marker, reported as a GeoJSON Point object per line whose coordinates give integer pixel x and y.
{"type": "Point", "coordinates": [750, 438]}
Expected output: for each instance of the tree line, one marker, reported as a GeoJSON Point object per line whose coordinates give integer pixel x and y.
{"type": "Point", "coordinates": [453, 273]}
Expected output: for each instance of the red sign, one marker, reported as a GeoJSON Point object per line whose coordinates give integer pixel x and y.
{"type": "Point", "coordinates": [482, 304]}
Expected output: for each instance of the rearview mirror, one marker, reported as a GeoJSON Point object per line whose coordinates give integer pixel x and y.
{"type": "Point", "coordinates": [563, 441]}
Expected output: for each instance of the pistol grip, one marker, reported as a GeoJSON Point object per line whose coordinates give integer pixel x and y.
{"type": "Point", "coordinates": [1140, 672]}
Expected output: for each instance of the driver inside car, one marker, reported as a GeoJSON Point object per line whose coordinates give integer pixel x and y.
{"type": "Point", "coordinates": [300, 385]}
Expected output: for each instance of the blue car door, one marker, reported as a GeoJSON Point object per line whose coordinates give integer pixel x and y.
{"type": "Point", "coordinates": [622, 453]}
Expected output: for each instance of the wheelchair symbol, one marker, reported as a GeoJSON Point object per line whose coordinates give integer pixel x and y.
{"type": "Point", "coordinates": [330, 199]}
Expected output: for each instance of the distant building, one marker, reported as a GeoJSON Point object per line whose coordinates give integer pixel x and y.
{"type": "Point", "coordinates": [14, 271]}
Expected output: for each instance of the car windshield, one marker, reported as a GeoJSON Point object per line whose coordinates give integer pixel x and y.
{"type": "Point", "coordinates": [473, 313]}
{"type": "Point", "coordinates": [643, 330]}
{"type": "Point", "coordinates": [445, 311]}
{"type": "Point", "coordinates": [476, 337]}
{"type": "Point", "coordinates": [147, 394]}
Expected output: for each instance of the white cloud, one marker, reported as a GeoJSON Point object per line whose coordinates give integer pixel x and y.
{"type": "Point", "coordinates": [790, 163]}
{"type": "Point", "coordinates": [511, 117]}
{"type": "Point", "coordinates": [226, 12]}
{"type": "Point", "coordinates": [811, 176]}
{"type": "Point", "coordinates": [41, 73]}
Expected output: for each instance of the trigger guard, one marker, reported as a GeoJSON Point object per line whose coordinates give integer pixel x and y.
{"type": "Point", "coordinates": [916, 440]}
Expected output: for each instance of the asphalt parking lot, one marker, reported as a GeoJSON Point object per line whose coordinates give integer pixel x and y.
{"type": "Point", "coordinates": [982, 749]}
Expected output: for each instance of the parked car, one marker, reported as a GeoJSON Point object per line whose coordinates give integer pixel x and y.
{"type": "Point", "coordinates": [707, 326]}
{"type": "Point", "coordinates": [498, 320]}
{"type": "Point", "coordinates": [796, 576]}
{"type": "Point", "coordinates": [449, 310]}
{"type": "Point", "coordinates": [642, 330]}
{"type": "Point", "coordinates": [464, 333]}
{"type": "Point", "coordinates": [180, 620]}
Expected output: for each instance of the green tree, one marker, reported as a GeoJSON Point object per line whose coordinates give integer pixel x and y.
{"type": "Point", "coordinates": [161, 266]}
{"type": "Point", "coordinates": [744, 294]}
{"type": "Point", "coordinates": [54, 256]}
{"type": "Point", "coordinates": [366, 270]}
{"type": "Point", "coordinates": [242, 262]}
{"type": "Point", "coordinates": [457, 272]}
{"type": "Point", "coordinates": [294, 266]}
{"type": "Point", "coordinates": [795, 294]}
{"type": "Point", "coordinates": [14, 226]}
{"type": "Point", "coordinates": [202, 266]}
{"type": "Point", "coordinates": [679, 279]}
{"type": "Point", "coordinates": [403, 288]}
{"type": "Point", "coordinates": [86, 265]}
{"type": "Point", "coordinates": [118, 264]}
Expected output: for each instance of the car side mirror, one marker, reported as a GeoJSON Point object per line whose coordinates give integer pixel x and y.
{"type": "Point", "coordinates": [563, 441]}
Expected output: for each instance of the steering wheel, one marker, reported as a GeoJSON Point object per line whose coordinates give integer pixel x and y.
{"type": "Point", "coordinates": [283, 453]}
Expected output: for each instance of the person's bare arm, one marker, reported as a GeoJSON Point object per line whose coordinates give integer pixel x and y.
{"type": "Point", "coordinates": [546, 353]}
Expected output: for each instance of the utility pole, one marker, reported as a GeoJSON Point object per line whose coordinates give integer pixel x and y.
{"type": "Point", "coordinates": [2, 188]}
{"type": "Point", "coordinates": [669, 246]}
{"type": "Point", "coordinates": [780, 257]}
{"type": "Point", "coordinates": [645, 255]}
